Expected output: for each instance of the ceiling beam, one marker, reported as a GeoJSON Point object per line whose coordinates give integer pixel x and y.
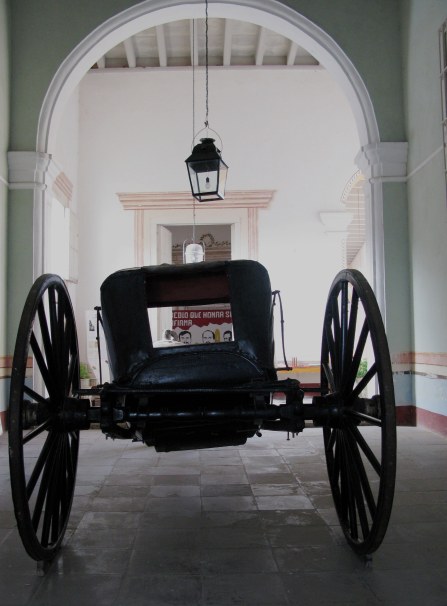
{"type": "Point", "coordinates": [260, 47]}
{"type": "Point", "coordinates": [227, 42]}
{"type": "Point", "coordinates": [130, 52]}
{"type": "Point", "coordinates": [161, 45]}
{"type": "Point", "coordinates": [291, 56]}
{"type": "Point", "coordinates": [193, 35]}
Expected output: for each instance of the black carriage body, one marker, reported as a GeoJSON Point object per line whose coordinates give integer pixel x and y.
{"type": "Point", "coordinates": [189, 396]}
{"type": "Point", "coordinates": [126, 296]}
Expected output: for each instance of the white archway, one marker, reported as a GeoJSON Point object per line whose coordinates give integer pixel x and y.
{"type": "Point", "coordinates": [267, 13]}
{"type": "Point", "coordinates": [150, 13]}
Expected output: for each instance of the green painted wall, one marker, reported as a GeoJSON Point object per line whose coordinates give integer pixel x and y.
{"type": "Point", "coordinates": [426, 184]}
{"type": "Point", "coordinates": [20, 271]}
{"type": "Point", "coordinates": [427, 207]}
{"type": "Point", "coordinates": [367, 31]}
{"type": "Point", "coordinates": [4, 134]}
{"type": "Point", "coordinates": [397, 275]}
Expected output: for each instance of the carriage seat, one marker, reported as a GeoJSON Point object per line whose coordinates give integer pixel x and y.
{"type": "Point", "coordinates": [126, 296]}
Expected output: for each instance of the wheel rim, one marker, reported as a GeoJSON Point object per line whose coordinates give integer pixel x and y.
{"type": "Point", "coordinates": [43, 449]}
{"type": "Point", "coordinates": [360, 441]}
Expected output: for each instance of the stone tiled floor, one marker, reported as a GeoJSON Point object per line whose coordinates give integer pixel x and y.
{"type": "Point", "coordinates": [246, 526]}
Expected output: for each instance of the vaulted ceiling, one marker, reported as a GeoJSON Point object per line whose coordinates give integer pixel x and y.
{"type": "Point", "coordinates": [182, 43]}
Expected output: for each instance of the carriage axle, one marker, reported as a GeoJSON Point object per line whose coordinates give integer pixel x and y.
{"type": "Point", "coordinates": [78, 413]}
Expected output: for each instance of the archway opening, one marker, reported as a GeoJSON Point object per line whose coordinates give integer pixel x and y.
{"type": "Point", "coordinates": [314, 282]}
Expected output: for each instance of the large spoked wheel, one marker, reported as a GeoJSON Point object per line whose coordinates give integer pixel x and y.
{"type": "Point", "coordinates": [360, 433]}
{"type": "Point", "coordinates": [43, 447]}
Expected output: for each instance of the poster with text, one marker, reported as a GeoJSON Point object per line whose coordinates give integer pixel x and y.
{"type": "Point", "coordinates": [202, 325]}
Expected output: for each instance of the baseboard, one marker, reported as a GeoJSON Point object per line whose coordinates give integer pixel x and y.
{"type": "Point", "coordinates": [411, 416]}
{"type": "Point", "coordinates": [432, 420]}
{"type": "Point", "coordinates": [3, 421]}
{"type": "Point", "coordinates": [406, 416]}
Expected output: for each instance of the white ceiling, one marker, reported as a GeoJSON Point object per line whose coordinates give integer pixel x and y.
{"type": "Point", "coordinates": [231, 43]}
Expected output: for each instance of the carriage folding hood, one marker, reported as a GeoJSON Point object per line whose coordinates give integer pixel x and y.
{"type": "Point", "coordinates": [133, 359]}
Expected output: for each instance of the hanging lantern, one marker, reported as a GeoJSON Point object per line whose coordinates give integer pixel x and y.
{"type": "Point", "coordinates": [207, 172]}
{"type": "Point", "coordinates": [194, 252]}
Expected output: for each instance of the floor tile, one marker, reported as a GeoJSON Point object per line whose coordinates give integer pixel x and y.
{"type": "Point", "coordinates": [249, 525]}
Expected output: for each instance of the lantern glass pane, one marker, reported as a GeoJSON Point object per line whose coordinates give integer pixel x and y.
{"type": "Point", "coordinates": [207, 182]}
{"type": "Point", "coordinates": [222, 179]}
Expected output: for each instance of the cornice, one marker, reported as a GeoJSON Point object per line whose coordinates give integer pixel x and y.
{"type": "Point", "coordinates": [385, 161]}
{"type": "Point", "coordinates": [184, 200]}
{"type": "Point", "coordinates": [27, 169]}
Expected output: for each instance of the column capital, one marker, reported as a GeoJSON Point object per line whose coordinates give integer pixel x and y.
{"type": "Point", "coordinates": [27, 169]}
{"type": "Point", "coordinates": [384, 161]}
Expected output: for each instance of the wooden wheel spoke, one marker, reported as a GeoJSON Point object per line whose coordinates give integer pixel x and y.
{"type": "Point", "coordinates": [363, 382]}
{"type": "Point", "coordinates": [343, 331]}
{"type": "Point", "coordinates": [336, 328]}
{"type": "Point", "coordinates": [34, 395]}
{"type": "Point", "coordinates": [361, 416]}
{"type": "Point", "coordinates": [348, 489]}
{"type": "Point", "coordinates": [40, 360]}
{"type": "Point", "coordinates": [329, 376]}
{"type": "Point", "coordinates": [362, 487]}
{"type": "Point", "coordinates": [44, 485]}
{"type": "Point", "coordinates": [72, 372]}
{"type": "Point", "coordinates": [46, 339]}
{"type": "Point", "coordinates": [373, 460]}
{"type": "Point", "coordinates": [361, 474]}
{"type": "Point", "coordinates": [357, 357]}
{"type": "Point", "coordinates": [40, 463]}
{"type": "Point", "coordinates": [60, 488]}
{"type": "Point", "coordinates": [331, 346]}
{"type": "Point", "coordinates": [69, 351]}
{"type": "Point", "coordinates": [350, 339]}
{"type": "Point", "coordinates": [55, 313]}
{"type": "Point", "coordinates": [51, 514]}
{"type": "Point", "coordinates": [336, 466]}
{"type": "Point", "coordinates": [332, 440]}
{"type": "Point", "coordinates": [36, 431]}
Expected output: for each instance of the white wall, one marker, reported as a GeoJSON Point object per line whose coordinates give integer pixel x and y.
{"type": "Point", "coordinates": [290, 131]}
{"type": "Point", "coordinates": [66, 151]}
{"type": "Point", "coordinates": [66, 157]}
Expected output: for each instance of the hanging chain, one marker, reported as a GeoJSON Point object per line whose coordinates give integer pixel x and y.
{"type": "Point", "coordinates": [193, 219]}
{"type": "Point", "coordinates": [193, 120]}
{"type": "Point", "coordinates": [193, 81]}
{"type": "Point", "coordinates": [206, 61]}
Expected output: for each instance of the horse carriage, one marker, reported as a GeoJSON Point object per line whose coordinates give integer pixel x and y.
{"type": "Point", "coordinates": [192, 396]}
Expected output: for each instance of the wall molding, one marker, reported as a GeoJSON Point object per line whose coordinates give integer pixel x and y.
{"type": "Point", "coordinates": [183, 200]}
{"type": "Point", "coordinates": [426, 364]}
{"type": "Point", "coordinates": [5, 367]}
{"type": "Point", "coordinates": [63, 189]}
